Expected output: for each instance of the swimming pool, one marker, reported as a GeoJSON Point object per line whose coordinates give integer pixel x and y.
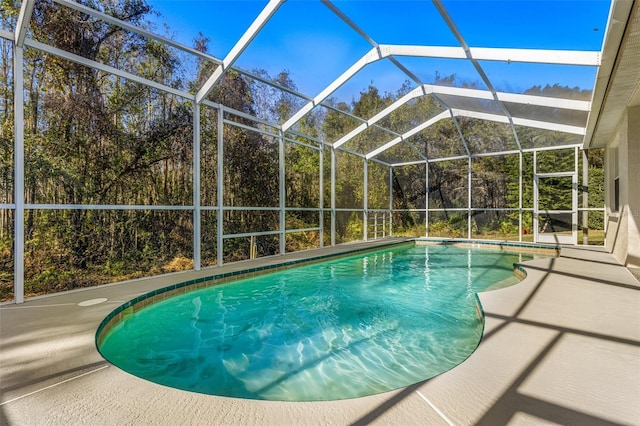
{"type": "Point", "coordinates": [339, 329]}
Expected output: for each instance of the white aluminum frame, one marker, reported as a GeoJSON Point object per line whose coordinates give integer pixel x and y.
{"type": "Point", "coordinates": [555, 238]}
{"type": "Point", "coordinates": [378, 52]}
{"type": "Point", "coordinates": [239, 47]}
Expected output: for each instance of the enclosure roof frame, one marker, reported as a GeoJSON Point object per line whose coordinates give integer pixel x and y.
{"type": "Point", "coordinates": [378, 52]}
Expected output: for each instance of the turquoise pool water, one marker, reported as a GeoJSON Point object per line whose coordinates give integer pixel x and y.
{"type": "Point", "coordinates": [339, 329]}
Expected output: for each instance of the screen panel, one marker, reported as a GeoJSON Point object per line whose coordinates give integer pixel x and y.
{"type": "Point", "coordinates": [69, 249]}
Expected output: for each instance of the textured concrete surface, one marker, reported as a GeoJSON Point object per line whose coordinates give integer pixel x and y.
{"type": "Point", "coordinates": [561, 347]}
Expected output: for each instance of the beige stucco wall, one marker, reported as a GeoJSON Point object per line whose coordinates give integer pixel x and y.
{"type": "Point", "coordinates": [633, 165]}
{"type": "Point", "coordinates": [623, 227]}
{"type": "Point", "coordinates": [616, 225]}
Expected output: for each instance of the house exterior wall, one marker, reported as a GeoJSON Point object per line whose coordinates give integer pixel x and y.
{"type": "Point", "coordinates": [633, 162]}
{"type": "Point", "coordinates": [623, 225]}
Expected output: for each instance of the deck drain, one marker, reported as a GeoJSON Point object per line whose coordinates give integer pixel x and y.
{"type": "Point", "coordinates": [92, 302]}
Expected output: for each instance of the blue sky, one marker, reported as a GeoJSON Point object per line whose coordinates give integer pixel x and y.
{"type": "Point", "coordinates": [309, 40]}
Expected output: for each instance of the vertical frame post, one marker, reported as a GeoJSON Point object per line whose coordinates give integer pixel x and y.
{"type": "Point", "coordinates": [574, 196]}
{"type": "Point", "coordinates": [535, 196]}
{"type": "Point", "coordinates": [365, 200]}
{"type": "Point", "coordinates": [220, 187]}
{"type": "Point", "coordinates": [375, 226]}
{"type": "Point", "coordinates": [391, 201]}
{"type": "Point", "coordinates": [469, 199]}
{"type": "Point", "coordinates": [18, 169]}
{"type": "Point", "coordinates": [282, 195]}
{"type": "Point", "coordinates": [384, 225]}
{"type": "Point", "coordinates": [26, 10]}
{"type": "Point", "coordinates": [426, 201]}
{"type": "Point", "coordinates": [321, 196]}
{"type": "Point", "coordinates": [333, 196]}
{"type": "Point", "coordinates": [197, 237]}
{"type": "Point", "coordinates": [585, 197]}
{"type": "Point", "coordinates": [520, 197]}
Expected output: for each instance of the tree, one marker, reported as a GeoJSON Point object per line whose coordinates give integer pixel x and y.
{"type": "Point", "coordinates": [95, 138]}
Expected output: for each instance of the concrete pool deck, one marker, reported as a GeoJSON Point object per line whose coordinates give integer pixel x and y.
{"type": "Point", "coordinates": [561, 347]}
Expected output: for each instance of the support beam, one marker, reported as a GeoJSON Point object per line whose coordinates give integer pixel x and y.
{"type": "Point", "coordinates": [518, 98]}
{"type": "Point", "coordinates": [418, 152]}
{"type": "Point", "coordinates": [456, 124]}
{"type": "Point", "coordinates": [197, 234]}
{"type": "Point", "coordinates": [520, 163]}
{"type": "Point", "coordinates": [136, 30]}
{"type": "Point", "coordinates": [521, 121]}
{"type": "Point", "coordinates": [390, 201]}
{"type": "Point", "coordinates": [333, 197]}
{"type": "Point", "coordinates": [321, 196]}
{"type": "Point", "coordinates": [7, 35]}
{"type": "Point", "coordinates": [281, 192]}
{"type": "Point", "coordinates": [220, 189]}
{"type": "Point", "coordinates": [535, 197]}
{"type": "Point", "coordinates": [106, 68]}
{"type": "Point", "coordinates": [585, 196]}
{"type": "Point", "coordinates": [26, 10]}
{"type": "Point", "coordinates": [411, 163]}
{"type": "Point", "coordinates": [469, 193]}
{"type": "Point", "coordinates": [574, 196]}
{"type": "Point", "coordinates": [372, 56]}
{"type": "Point", "coordinates": [428, 123]}
{"type": "Point", "coordinates": [418, 91]}
{"type": "Point", "coordinates": [479, 115]}
{"type": "Point", "coordinates": [18, 170]}
{"type": "Point", "coordinates": [426, 199]}
{"type": "Point", "coordinates": [406, 71]}
{"type": "Point", "coordinates": [239, 47]}
{"type": "Point", "coordinates": [473, 54]}
{"type": "Point", "coordinates": [496, 54]}
{"type": "Point", "coordinates": [365, 200]}
{"type": "Point", "coordinates": [430, 89]}
{"type": "Point", "coordinates": [539, 56]}
{"type": "Point", "coordinates": [349, 22]}
{"type": "Point", "coordinates": [476, 64]}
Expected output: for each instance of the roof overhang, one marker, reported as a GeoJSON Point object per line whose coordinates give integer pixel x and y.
{"type": "Point", "coordinates": [618, 81]}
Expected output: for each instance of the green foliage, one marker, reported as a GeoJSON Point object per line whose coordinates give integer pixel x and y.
{"type": "Point", "coordinates": [6, 267]}
{"type": "Point", "coordinates": [448, 228]}
{"type": "Point", "coordinates": [298, 241]}
{"type": "Point", "coordinates": [507, 228]}
{"type": "Point", "coordinates": [596, 187]}
{"type": "Point", "coordinates": [355, 228]}
{"type": "Point", "coordinates": [417, 230]}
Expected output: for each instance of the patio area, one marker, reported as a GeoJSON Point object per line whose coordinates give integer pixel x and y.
{"type": "Point", "coordinates": [561, 347]}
